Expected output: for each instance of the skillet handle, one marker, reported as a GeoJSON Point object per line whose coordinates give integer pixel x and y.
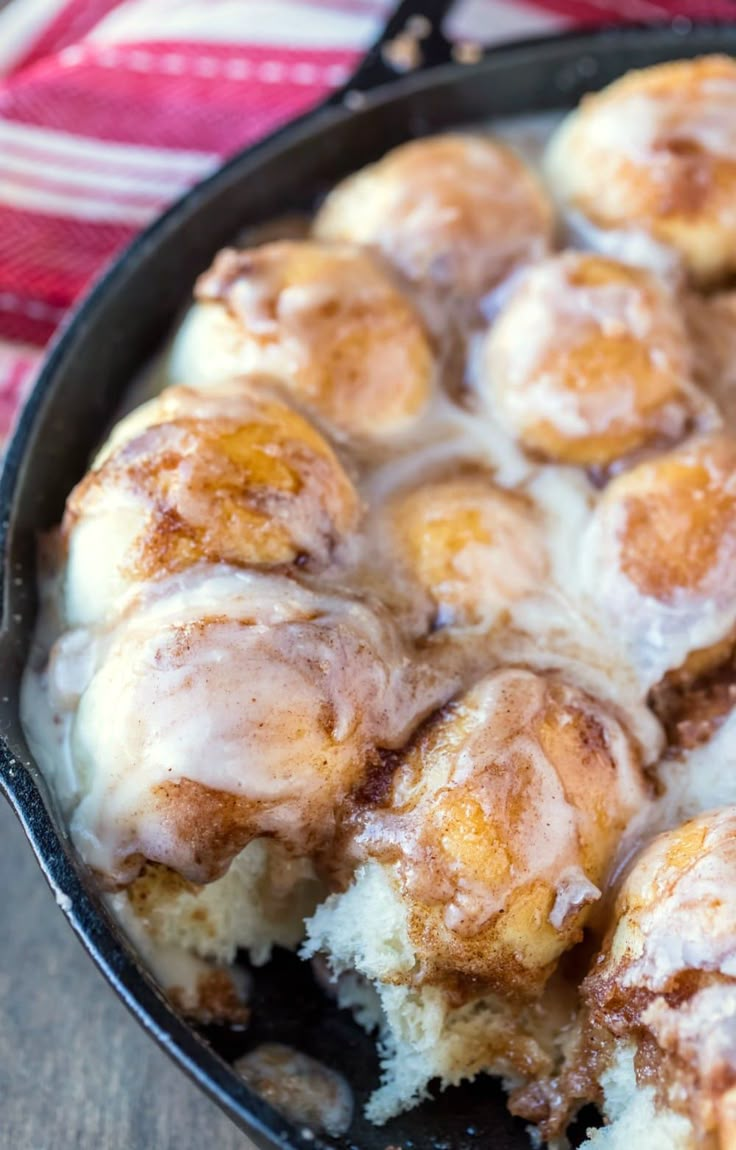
{"type": "Point", "coordinates": [411, 40]}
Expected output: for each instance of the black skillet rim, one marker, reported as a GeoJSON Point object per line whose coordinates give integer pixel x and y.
{"type": "Point", "coordinates": [19, 779]}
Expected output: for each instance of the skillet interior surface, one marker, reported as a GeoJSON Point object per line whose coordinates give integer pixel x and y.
{"type": "Point", "coordinates": [114, 332]}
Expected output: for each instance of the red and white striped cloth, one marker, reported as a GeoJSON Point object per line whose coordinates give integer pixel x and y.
{"type": "Point", "coordinates": [109, 109]}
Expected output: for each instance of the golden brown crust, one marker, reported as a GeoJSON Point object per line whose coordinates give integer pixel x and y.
{"type": "Point", "coordinates": [665, 981]}
{"type": "Point", "coordinates": [456, 211]}
{"type": "Point", "coordinates": [261, 487]}
{"type": "Point", "coordinates": [678, 518]}
{"type": "Point", "coordinates": [589, 361]}
{"type": "Point", "coordinates": [471, 545]}
{"type": "Point", "coordinates": [501, 820]}
{"type": "Point", "coordinates": [330, 324]}
{"type": "Point", "coordinates": [239, 704]}
{"type": "Point", "coordinates": [655, 152]}
{"type": "Point", "coordinates": [697, 179]}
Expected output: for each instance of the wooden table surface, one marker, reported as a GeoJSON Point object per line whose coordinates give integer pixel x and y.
{"type": "Point", "coordinates": [76, 1071]}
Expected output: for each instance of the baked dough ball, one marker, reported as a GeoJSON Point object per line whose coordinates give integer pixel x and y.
{"type": "Point", "coordinates": [664, 987]}
{"type": "Point", "coordinates": [229, 476]}
{"type": "Point", "coordinates": [479, 858]}
{"type": "Point", "coordinates": [471, 546]}
{"type": "Point", "coordinates": [659, 559]}
{"type": "Point", "coordinates": [326, 321]}
{"type": "Point", "coordinates": [233, 704]}
{"type": "Point", "coordinates": [675, 916]}
{"type": "Point", "coordinates": [455, 211]}
{"type": "Point", "coordinates": [588, 361]}
{"type": "Point", "coordinates": [654, 155]}
{"type": "Point", "coordinates": [499, 827]}
{"type": "Point", "coordinates": [427, 1034]}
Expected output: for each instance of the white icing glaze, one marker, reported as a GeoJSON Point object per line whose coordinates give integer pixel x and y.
{"type": "Point", "coordinates": [327, 322]}
{"type": "Point", "coordinates": [701, 1031]}
{"type": "Point", "coordinates": [630, 245]}
{"type": "Point", "coordinates": [490, 752]}
{"type": "Point", "coordinates": [700, 779]}
{"type": "Point", "coordinates": [249, 685]}
{"type": "Point", "coordinates": [712, 323]}
{"type": "Point", "coordinates": [455, 211]}
{"type": "Point", "coordinates": [654, 633]}
{"type": "Point", "coordinates": [205, 350]}
{"type": "Point", "coordinates": [549, 312]}
{"type": "Point", "coordinates": [649, 161]}
{"type": "Point", "coordinates": [636, 124]}
{"type": "Point", "coordinates": [146, 509]}
{"type": "Point", "coordinates": [679, 906]}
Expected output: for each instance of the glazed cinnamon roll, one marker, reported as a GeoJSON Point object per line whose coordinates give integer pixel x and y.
{"type": "Point", "coordinates": [232, 476]}
{"type": "Point", "coordinates": [326, 320]}
{"type": "Point", "coordinates": [589, 361]}
{"type": "Point", "coordinates": [658, 558]}
{"type": "Point", "coordinates": [457, 212]}
{"type": "Point", "coordinates": [650, 164]}
{"type": "Point", "coordinates": [661, 997]}
{"type": "Point", "coordinates": [482, 854]}
{"type": "Point", "coordinates": [470, 546]}
{"type": "Point", "coordinates": [233, 704]}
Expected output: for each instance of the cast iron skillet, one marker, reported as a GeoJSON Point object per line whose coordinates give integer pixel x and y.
{"type": "Point", "coordinates": [111, 335]}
